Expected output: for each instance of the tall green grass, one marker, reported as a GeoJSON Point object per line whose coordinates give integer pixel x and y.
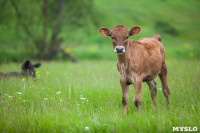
{"type": "Point", "coordinates": [69, 97]}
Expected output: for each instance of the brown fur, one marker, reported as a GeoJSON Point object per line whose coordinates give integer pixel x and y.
{"type": "Point", "coordinates": [142, 62]}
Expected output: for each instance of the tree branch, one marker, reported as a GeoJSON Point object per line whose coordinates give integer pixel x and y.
{"type": "Point", "coordinates": [71, 57]}
{"type": "Point", "coordinates": [24, 25]}
{"type": "Point", "coordinates": [56, 28]}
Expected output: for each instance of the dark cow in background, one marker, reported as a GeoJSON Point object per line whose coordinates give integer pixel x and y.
{"type": "Point", "coordinates": [138, 61]}
{"type": "Point", "coordinates": [27, 70]}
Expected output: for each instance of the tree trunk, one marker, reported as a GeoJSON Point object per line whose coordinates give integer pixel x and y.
{"type": "Point", "coordinates": [47, 50]}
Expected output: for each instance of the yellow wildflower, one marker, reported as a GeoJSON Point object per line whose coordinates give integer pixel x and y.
{"type": "Point", "coordinates": [67, 50]}
{"type": "Point", "coordinates": [47, 73]}
{"type": "Point", "coordinates": [20, 98]}
{"type": "Point", "coordinates": [23, 79]}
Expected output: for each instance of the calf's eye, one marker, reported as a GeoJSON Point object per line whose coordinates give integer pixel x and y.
{"type": "Point", "coordinates": [127, 37]}
{"type": "Point", "coordinates": [112, 37]}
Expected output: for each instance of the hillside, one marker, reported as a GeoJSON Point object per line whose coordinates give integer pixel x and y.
{"type": "Point", "coordinates": [176, 21]}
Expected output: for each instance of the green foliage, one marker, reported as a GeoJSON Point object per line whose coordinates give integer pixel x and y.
{"type": "Point", "coordinates": [165, 27]}
{"type": "Point", "coordinates": [81, 20]}
{"type": "Point", "coordinates": [39, 22]}
{"type": "Point", "coordinates": [55, 101]}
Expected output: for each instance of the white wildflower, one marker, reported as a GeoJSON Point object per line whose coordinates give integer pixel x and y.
{"type": "Point", "coordinates": [45, 98]}
{"type": "Point", "coordinates": [11, 96]}
{"type": "Point", "coordinates": [58, 92]}
{"type": "Point", "coordinates": [87, 128]}
{"type": "Point", "coordinates": [19, 93]}
{"type": "Point", "coordinates": [82, 98]}
{"type": "Point", "coordinates": [159, 89]}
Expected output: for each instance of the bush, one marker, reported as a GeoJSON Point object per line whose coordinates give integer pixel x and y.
{"type": "Point", "coordinates": [166, 28]}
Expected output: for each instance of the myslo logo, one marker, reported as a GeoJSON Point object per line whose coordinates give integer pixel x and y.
{"type": "Point", "coordinates": [185, 129]}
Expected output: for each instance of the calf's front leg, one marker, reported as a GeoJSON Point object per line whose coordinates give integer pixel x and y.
{"type": "Point", "coordinates": [125, 96]}
{"type": "Point", "coordinates": [138, 86]}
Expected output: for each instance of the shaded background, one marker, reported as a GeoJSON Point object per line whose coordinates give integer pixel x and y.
{"type": "Point", "coordinates": [68, 29]}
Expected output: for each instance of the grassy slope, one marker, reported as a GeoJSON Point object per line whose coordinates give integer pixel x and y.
{"type": "Point", "coordinates": [98, 82]}
{"type": "Point", "coordinates": [184, 16]}
{"type": "Point", "coordinates": [86, 43]}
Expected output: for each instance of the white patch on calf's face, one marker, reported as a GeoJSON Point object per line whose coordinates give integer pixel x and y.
{"type": "Point", "coordinates": [120, 47]}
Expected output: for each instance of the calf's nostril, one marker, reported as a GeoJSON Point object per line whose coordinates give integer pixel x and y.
{"type": "Point", "coordinates": [119, 49]}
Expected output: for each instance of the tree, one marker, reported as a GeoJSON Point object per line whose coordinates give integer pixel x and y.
{"type": "Point", "coordinates": [41, 24]}
{"type": "Point", "coordinates": [48, 22]}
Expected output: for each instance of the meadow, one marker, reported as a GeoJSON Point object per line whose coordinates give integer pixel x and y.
{"type": "Point", "coordinates": [86, 97]}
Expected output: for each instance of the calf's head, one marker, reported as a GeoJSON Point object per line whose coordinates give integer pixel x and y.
{"type": "Point", "coordinates": [120, 36]}
{"type": "Point", "coordinates": [28, 68]}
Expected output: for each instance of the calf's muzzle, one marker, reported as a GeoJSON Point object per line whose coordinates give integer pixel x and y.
{"type": "Point", "coordinates": [119, 49]}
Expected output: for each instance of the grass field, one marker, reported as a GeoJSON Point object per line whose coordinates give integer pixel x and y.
{"type": "Point", "coordinates": [86, 97]}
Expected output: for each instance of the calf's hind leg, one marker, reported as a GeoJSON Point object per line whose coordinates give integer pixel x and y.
{"type": "Point", "coordinates": [165, 87]}
{"type": "Point", "coordinates": [125, 96]}
{"type": "Point", "coordinates": [153, 90]}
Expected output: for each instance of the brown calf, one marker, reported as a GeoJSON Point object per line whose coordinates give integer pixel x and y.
{"type": "Point", "coordinates": [138, 61]}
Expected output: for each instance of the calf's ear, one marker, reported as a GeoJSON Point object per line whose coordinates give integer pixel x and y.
{"type": "Point", "coordinates": [37, 65]}
{"type": "Point", "coordinates": [104, 32]}
{"type": "Point", "coordinates": [134, 31]}
{"type": "Point", "coordinates": [25, 65]}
